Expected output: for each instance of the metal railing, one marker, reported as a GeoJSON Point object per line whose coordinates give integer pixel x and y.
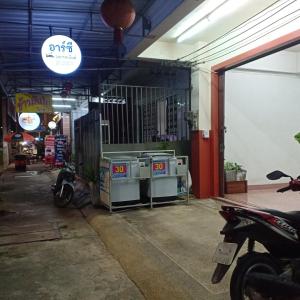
{"type": "Point", "coordinates": [141, 114]}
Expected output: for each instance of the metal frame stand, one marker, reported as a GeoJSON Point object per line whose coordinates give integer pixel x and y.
{"type": "Point", "coordinates": [147, 173]}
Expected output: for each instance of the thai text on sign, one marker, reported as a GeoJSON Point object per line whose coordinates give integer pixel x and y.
{"type": "Point", "coordinates": [33, 103]}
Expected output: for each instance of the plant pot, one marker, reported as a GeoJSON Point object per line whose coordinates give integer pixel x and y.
{"type": "Point", "coordinates": [234, 187]}
{"type": "Point", "coordinates": [241, 175]}
{"type": "Point", "coordinates": [230, 175]}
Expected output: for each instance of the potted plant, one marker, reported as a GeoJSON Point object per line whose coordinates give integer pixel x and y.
{"type": "Point", "coordinates": [234, 172]}
{"type": "Point", "coordinates": [235, 178]}
{"type": "Point", "coordinates": [230, 170]}
{"type": "Point", "coordinates": [241, 174]}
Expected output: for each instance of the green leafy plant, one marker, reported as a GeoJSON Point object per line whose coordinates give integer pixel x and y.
{"type": "Point", "coordinates": [89, 174]}
{"type": "Point", "coordinates": [231, 166]}
{"type": "Point", "coordinates": [297, 137]}
{"type": "Point", "coordinates": [165, 145]}
{"type": "Point", "coordinates": [234, 171]}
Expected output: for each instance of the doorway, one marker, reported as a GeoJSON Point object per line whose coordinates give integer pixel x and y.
{"type": "Point", "coordinates": [218, 88]}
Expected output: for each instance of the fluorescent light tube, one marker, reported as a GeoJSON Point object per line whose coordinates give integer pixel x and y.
{"type": "Point", "coordinates": [202, 25]}
{"type": "Point", "coordinates": [197, 15]}
{"type": "Point", "coordinates": [61, 105]}
{"type": "Point", "coordinates": [227, 8]}
{"type": "Point", "coordinates": [221, 9]}
{"type": "Point", "coordinates": [63, 99]}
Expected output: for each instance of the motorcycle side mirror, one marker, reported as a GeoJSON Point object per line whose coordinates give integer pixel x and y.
{"type": "Point", "coordinates": [277, 175]}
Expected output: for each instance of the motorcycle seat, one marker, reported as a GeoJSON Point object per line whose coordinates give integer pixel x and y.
{"type": "Point", "coordinates": [292, 216]}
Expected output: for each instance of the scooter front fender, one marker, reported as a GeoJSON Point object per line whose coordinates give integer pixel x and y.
{"type": "Point", "coordinates": [64, 184]}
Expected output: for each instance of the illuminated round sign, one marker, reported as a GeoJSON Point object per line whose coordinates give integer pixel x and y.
{"type": "Point", "coordinates": [29, 121]}
{"type": "Point", "coordinates": [52, 125]}
{"type": "Point", "coordinates": [61, 54]}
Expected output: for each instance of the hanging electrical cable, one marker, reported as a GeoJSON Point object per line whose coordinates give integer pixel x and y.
{"type": "Point", "coordinates": [220, 51]}
{"type": "Point", "coordinates": [259, 15]}
{"type": "Point", "coordinates": [256, 38]}
{"type": "Point", "coordinates": [243, 32]}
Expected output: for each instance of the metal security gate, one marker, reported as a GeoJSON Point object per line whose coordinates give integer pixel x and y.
{"type": "Point", "coordinates": [129, 115]}
{"type": "Point", "coordinates": [88, 144]}
{"type": "Point", "coordinates": [141, 114]}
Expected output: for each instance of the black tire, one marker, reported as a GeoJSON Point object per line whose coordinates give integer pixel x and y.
{"type": "Point", "coordinates": [65, 198]}
{"type": "Point", "coordinates": [251, 262]}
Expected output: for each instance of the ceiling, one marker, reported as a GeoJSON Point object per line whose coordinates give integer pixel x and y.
{"type": "Point", "coordinates": [241, 11]}
{"type": "Point", "coordinates": [24, 25]}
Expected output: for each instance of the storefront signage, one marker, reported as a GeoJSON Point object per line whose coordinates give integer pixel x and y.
{"type": "Point", "coordinates": [49, 149]}
{"type": "Point", "coordinates": [61, 54]}
{"type": "Point", "coordinates": [33, 103]}
{"type": "Point", "coordinates": [29, 121]}
{"type": "Point", "coordinates": [119, 170]}
{"type": "Point", "coordinates": [60, 147]}
{"type": "Point", "coordinates": [159, 168]}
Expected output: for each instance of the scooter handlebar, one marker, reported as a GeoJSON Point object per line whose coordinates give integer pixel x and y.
{"type": "Point", "coordinates": [284, 189]}
{"type": "Point", "coordinates": [294, 185]}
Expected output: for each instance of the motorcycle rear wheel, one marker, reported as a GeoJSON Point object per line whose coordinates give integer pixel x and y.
{"type": "Point", "coordinates": [65, 198]}
{"type": "Point", "coordinates": [251, 262]}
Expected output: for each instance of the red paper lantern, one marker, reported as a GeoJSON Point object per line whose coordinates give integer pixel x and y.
{"type": "Point", "coordinates": [119, 15]}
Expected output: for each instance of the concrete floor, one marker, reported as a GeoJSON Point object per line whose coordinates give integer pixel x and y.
{"type": "Point", "coordinates": [166, 251]}
{"type": "Point", "coordinates": [163, 253]}
{"type": "Point", "coordinates": [75, 266]}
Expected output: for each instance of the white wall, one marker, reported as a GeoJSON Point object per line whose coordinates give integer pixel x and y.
{"type": "Point", "coordinates": [201, 97]}
{"type": "Point", "coordinates": [283, 61]}
{"type": "Point", "coordinates": [298, 63]}
{"type": "Point", "coordinates": [261, 117]}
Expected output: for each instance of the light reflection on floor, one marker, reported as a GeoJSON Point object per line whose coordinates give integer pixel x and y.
{"type": "Point", "coordinates": [269, 198]}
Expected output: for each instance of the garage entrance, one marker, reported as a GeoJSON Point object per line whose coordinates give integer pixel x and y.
{"type": "Point", "coordinates": [218, 109]}
{"type": "Point", "coordinates": [261, 120]}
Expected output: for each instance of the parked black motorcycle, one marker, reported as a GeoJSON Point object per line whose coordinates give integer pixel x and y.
{"type": "Point", "coordinates": [63, 190]}
{"type": "Point", "coordinates": [262, 286]}
{"type": "Point", "coordinates": [277, 231]}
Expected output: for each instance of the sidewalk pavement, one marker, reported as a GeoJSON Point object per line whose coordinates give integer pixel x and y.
{"type": "Point", "coordinates": [158, 254]}
{"type": "Point", "coordinates": [50, 253]}
{"type": "Point", "coordinates": [166, 251]}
